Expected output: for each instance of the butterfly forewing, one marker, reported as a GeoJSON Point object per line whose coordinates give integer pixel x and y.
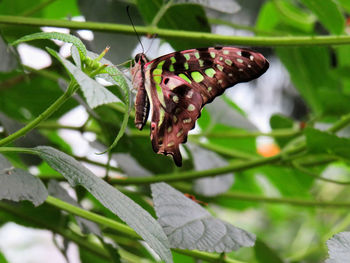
{"type": "Point", "coordinates": [179, 84]}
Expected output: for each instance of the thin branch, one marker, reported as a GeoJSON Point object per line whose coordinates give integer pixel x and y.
{"type": "Point", "coordinates": [125, 229]}
{"type": "Point", "coordinates": [183, 35]}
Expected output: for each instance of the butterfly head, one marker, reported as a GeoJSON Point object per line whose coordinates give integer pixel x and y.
{"type": "Point", "coordinates": [140, 59]}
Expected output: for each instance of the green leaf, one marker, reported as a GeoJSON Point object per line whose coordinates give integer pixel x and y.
{"type": "Point", "coordinates": [24, 213]}
{"type": "Point", "coordinates": [312, 62]}
{"type": "Point", "coordinates": [192, 227]}
{"type": "Point", "coordinates": [39, 93]}
{"type": "Point", "coordinates": [174, 17]}
{"type": "Point", "coordinates": [59, 9]}
{"type": "Point", "coordinates": [328, 14]}
{"type": "Point", "coordinates": [55, 35]}
{"type": "Point", "coordinates": [335, 102]}
{"type": "Point", "coordinates": [269, 17]}
{"type": "Point", "coordinates": [18, 185]}
{"type": "Point", "coordinates": [294, 16]}
{"type": "Point", "coordinates": [298, 185]}
{"type": "Point", "coordinates": [324, 142]}
{"type": "Point", "coordinates": [94, 92]}
{"type": "Point", "coordinates": [338, 248]}
{"type": "Point", "coordinates": [130, 212]}
{"type": "Point", "coordinates": [264, 254]}
{"type": "Point", "coordinates": [2, 258]}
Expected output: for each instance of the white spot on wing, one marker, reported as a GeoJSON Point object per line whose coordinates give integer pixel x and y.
{"type": "Point", "coordinates": [251, 57]}
{"type": "Point", "coordinates": [239, 60]}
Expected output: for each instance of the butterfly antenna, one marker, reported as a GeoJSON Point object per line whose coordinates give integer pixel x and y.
{"type": "Point", "coordinates": [133, 26]}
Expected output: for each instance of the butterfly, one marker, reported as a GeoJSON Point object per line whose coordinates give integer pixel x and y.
{"type": "Point", "coordinates": [176, 86]}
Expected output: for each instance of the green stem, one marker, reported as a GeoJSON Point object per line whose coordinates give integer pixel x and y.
{"type": "Point", "coordinates": [233, 153]}
{"type": "Point", "coordinates": [18, 150]}
{"type": "Point", "coordinates": [189, 175]}
{"type": "Point", "coordinates": [342, 123]}
{"type": "Point", "coordinates": [50, 110]}
{"type": "Point", "coordinates": [69, 235]}
{"type": "Point", "coordinates": [284, 200]}
{"type": "Point", "coordinates": [183, 35]}
{"type": "Point", "coordinates": [121, 228]}
{"type": "Point", "coordinates": [125, 229]}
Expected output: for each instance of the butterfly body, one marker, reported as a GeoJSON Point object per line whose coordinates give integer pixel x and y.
{"type": "Point", "coordinates": [176, 86]}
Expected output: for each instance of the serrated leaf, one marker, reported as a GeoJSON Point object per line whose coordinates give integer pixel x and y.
{"type": "Point", "coordinates": [18, 185]}
{"type": "Point", "coordinates": [85, 225]}
{"type": "Point", "coordinates": [95, 93]}
{"type": "Point", "coordinates": [210, 186]}
{"type": "Point", "coordinates": [130, 212]}
{"type": "Point", "coordinates": [57, 36]}
{"type": "Point", "coordinates": [189, 226]}
{"type": "Point", "coordinates": [339, 248]}
{"type": "Point", "coordinates": [224, 6]}
{"type": "Point", "coordinates": [328, 14]}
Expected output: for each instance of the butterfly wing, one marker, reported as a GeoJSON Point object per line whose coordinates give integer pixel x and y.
{"type": "Point", "coordinates": [181, 83]}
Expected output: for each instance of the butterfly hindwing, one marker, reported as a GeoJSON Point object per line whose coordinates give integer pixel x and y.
{"type": "Point", "coordinates": [179, 84]}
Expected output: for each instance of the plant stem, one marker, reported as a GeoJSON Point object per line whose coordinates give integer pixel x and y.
{"type": "Point", "coordinates": [91, 216]}
{"type": "Point", "coordinates": [189, 175]}
{"type": "Point", "coordinates": [69, 235]}
{"type": "Point", "coordinates": [207, 38]}
{"type": "Point", "coordinates": [31, 125]}
{"type": "Point", "coordinates": [342, 123]}
{"type": "Point", "coordinates": [125, 229]}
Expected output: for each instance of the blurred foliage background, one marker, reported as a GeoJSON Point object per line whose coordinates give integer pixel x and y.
{"type": "Point", "coordinates": [287, 131]}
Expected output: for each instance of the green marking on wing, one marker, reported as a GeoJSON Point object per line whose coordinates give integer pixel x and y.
{"type": "Point", "coordinates": [186, 66]}
{"type": "Point", "coordinates": [210, 72]}
{"type": "Point", "coordinates": [160, 95]}
{"type": "Point", "coordinates": [160, 65]}
{"type": "Point", "coordinates": [197, 76]}
{"type": "Point", "coordinates": [161, 116]}
{"type": "Point", "coordinates": [184, 77]}
{"type": "Point", "coordinates": [157, 79]}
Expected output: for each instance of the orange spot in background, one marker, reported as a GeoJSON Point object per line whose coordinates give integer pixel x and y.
{"type": "Point", "coordinates": [268, 149]}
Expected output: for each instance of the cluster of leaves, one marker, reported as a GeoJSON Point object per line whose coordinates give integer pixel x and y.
{"type": "Point", "coordinates": [301, 174]}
